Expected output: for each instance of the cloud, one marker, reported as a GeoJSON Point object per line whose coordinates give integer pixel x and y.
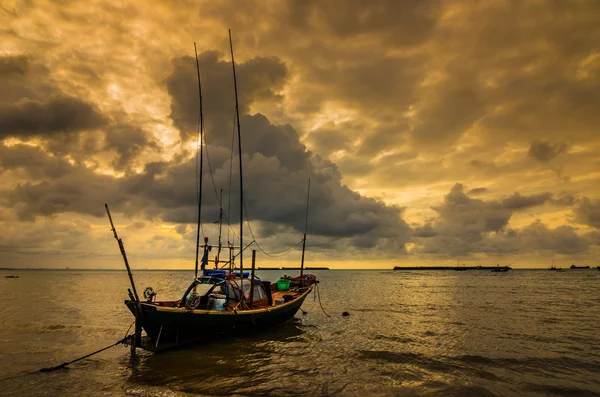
{"type": "Point", "coordinates": [59, 114]}
{"type": "Point", "coordinates": [546, 151]}
{"type": "Point", "coordinates": [465, 225]}
{"type": "Point", "coordinates": [519, 202]}
{"type": "Point", "coordinates": [259, 79]}
{"type": "Point", "coordinates": [587, 212]}
{"type": "Point", "coordinates": [478, 190]}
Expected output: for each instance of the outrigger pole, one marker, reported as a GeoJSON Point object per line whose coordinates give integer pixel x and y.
{"type": "Point", "coordinates": [305, 227]}
{"type": "Point", "coordinates": [137, 337]}
{"type": "Point", "coordinates": [237, 112]}
{"type": "Point", "coordinates": [200, 133]}
{"type": "Point", "coordinates": [122, 248]}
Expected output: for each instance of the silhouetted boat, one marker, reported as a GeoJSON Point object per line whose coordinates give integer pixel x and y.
{"type": "Point", "coordinates": [218, 301]}
{"type": "Point", "coordinates": [11, 276]}
{"type": "Point", "coordinates": [218, 304]}
{"type": "Point", "coordinates": [578, 267]}
{"type": "Point", "coordinates": [500, 269]}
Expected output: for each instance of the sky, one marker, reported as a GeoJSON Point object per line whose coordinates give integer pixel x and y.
{"type": "Point", "coordinates": [433, 132]}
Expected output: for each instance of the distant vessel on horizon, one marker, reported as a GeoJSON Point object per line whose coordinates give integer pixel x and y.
{"type": "Point", "coordinates": [578, 267]}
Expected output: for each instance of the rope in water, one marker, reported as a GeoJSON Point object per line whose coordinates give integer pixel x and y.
{"type": "Point", "coordinates": [320, 304]}
{"type": "Point", "coordinates": [50, 369]}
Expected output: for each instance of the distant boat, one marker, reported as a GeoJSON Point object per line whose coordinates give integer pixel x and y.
{"type": "Point", "coordinates": [11, 276]}
{"type": "Point", "coordinates": [579, 267]}
{"type": "Point", "coordinates": [500, 269]}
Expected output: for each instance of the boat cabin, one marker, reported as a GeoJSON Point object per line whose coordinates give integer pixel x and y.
{"type": "Point", "coordinates": [225, 293]}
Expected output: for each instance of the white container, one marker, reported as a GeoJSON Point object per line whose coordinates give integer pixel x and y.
{"type": "Point", "coordinates": [279, 301]}
{"type": "Point", "coordinates": [217, 302]}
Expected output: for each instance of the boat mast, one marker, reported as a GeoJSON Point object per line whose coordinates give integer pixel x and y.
{"type": "Point", "coordinates": [237, 113]}
{"type": "Point", "coordinates": [305, 227]}
{"type": "Point", "coordinates": [220, 226]}
{"type": "Point", "coordinates": [201, 137]}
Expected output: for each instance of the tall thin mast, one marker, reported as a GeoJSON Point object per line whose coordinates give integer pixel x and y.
{"type": "Point", "coordinates": [305, 227]}
{"type": "Point", "coordinates": [200, 129]}
{"type": "Point", "coordinates": [220, 226]}
{"type": "Point", "coordinates": [237, 113]}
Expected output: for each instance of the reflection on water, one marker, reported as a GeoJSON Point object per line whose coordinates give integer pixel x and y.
{"type": "Point", "coordinates": [408, 333]}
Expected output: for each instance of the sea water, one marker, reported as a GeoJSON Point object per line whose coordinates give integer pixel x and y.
{"type": "Point", "coordinates": [442, 333]}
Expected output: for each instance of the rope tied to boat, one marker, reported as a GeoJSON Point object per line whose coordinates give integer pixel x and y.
{"type": "Point", "coordinates": [63, 365]}
{"type": "Point", "coordinates": [320, 304]}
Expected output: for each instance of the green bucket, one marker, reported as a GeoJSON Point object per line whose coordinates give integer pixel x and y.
{"type": "Point", "coordinates": [283, 285]}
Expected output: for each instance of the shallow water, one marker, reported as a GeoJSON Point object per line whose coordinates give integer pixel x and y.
{"type": "Point", "coordinates": [525, 332]}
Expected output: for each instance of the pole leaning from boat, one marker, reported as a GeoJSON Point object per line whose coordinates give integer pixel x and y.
{"type": "Point", "coordinates": [237, 113]}
{"type": "Point", "coordinates": [201, 137]}
{"type": "Point", "coordinates": [305, 227]}
{"type": "Point", "coordinates": [122, 248]}
{"type": "Point", "coordinates": [137, 337]}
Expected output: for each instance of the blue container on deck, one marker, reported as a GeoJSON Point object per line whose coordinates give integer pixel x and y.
{"type": "Point", "coordinates": [214, 272]}
{"type": "Point", "coordinates": [237, 274]}
{"type": "Point", "coordinates": [283, 285]}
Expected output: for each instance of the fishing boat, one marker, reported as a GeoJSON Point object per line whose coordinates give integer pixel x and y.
{"type": "Point", "coordinates": [500, 269]}
{"type": "Point", "coordinates": [217, 301]}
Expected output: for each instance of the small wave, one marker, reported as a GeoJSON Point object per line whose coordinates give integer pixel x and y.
{"type": "Point", "coordinates": [61, 327]}
{"type": "Point", "coordinates": [463, 390]}
{"type": "Point", "coordinates": [394, 338]}
{"type": "Point", "coordinates": [532, 363]}
{"type": "Point", "coordinates": [555, 390]}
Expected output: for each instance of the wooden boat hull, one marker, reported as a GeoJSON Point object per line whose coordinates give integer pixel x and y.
{"type": "Point", "coordinates": [169, 327]}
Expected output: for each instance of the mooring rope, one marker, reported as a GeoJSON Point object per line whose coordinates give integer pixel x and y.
{"type": "Point", "coordinates": [50, 369]}
{"type": "Point", "coordinates": [320, 304]}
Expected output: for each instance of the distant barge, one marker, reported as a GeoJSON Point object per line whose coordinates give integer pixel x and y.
{"type": "Point", "coordinates": [457, 268]}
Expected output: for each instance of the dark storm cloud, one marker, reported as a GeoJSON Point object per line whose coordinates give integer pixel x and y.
{"type": "Point", "coordinates": [259, 79]}
{"type": "Point", "coordinates": [587, 212]}
{"type": "Point", "coordinates": [277, 163]}
{"type": "Point", "coordinates": [545, 151]}
{"type": "Point", "coordinates": [562, 240]}
{"type": "Point", "coordinates": [33, 106]}
{"type": "Point", "coordinates": [519, 202]}
{"type": "Point", "coordinates": [58, 114]}
{"type": "Point", "coordinates": [465, 225]}
{"type": "Point", "coordinates": [32, 162]}
{"type": "Point", "coordinates": [128, 142]}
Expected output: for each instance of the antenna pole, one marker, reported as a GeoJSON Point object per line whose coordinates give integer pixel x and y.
{"type": "Point", "coordinates": [201, 137]}
{"type": "Point", "coordinates": [237, 112]}
{"type": "Point", "coordinates": [305, 227]}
